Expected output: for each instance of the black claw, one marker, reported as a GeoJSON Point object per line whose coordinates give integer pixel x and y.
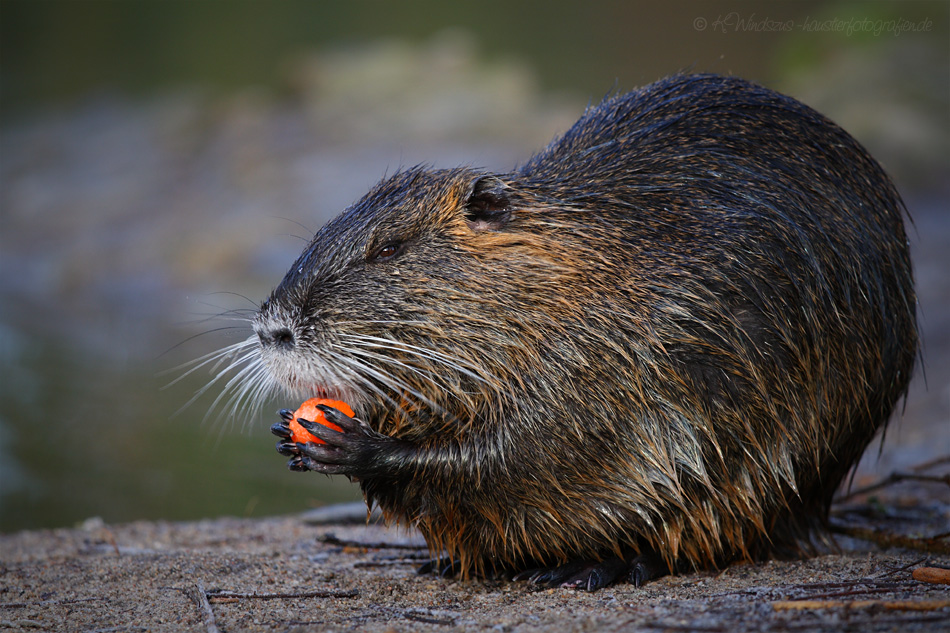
{"type": "Point", "coordinates": [451, 570]}
{"type": "Point", "coordinates": [287, 448]}
{"type": "Point", "coordinates": [534, 575]}
{"type": "Point", "coordinates": [329, 436]}
{"type": "Point", "coordinates": [443, 567]}
{"type": "Point", "coordinates": [552, 576]}
{"type": "Point", "coordinates": [329, 412]}
{"type": "Point", "coordinates": [543, 577]}
{"type": "Point", "coordinates": [280, 429]}
{"type": "Point", "coordinates": [337, 417]}
{"type": "Point", "coordinates": [296, 464]}
{"type": "Point", "coordinates": [647, 567]}
{"type": "Point", "coordinates": [639, 575]}
{"type": "Point", "coordinates": [286, 414]}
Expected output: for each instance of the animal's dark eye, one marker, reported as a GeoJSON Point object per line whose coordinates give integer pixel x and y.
{"type": "Point", "coordinates": [387, 252]}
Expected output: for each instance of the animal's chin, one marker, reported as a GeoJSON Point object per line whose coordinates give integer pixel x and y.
{"type": "Point", "coordinates": [303, 389]}
{"type": "Point", "coordinates": [299, 381]}
{"type": "Point", "coordinates": [296, 380]}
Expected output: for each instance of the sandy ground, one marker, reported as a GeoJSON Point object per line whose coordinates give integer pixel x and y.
{"type": "Point", "coordinates": [284, 574]}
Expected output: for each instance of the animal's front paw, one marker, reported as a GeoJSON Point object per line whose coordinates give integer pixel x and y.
{"type": "Point", "coordinates": [356, 450]}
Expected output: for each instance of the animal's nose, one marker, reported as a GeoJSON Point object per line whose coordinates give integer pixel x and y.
{"type": "Point", "coordinates": [279, 337]}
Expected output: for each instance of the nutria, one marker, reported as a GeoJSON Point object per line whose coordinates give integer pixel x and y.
{"type": "Point", "coordinates": [657, 346]}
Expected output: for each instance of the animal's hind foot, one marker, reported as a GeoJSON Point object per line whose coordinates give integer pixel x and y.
{"type": "Point", "coordinates": [591, 575]}
{"type": "Point", "coordinates": [442, 567]}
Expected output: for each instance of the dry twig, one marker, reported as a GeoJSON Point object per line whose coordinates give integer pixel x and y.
{"type": "Point", "coordinates": [332, 539]}
{"type": "Point", "coordinates": [201, 597]}
{"type": "Point", "coordinates": [893, 478]}
{"type": "Point", "coordinates": [232, 596]}
{"type": "Point", "coordinates": [936, 544]}
{"type": "Point", "coordinates": [889, 605]}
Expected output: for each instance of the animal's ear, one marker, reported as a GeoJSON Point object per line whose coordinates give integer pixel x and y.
{"type": "Point", "coordinates": [488, 207]}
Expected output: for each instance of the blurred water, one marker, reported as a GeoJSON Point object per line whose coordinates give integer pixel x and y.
{"type": "Point", "coordinates": [132, 227]}
{"type": "Point", "coordinates": [136, 230]}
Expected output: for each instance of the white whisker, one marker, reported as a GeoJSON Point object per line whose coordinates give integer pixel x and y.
{"type": "Point", "coordinates": [241, 379]}
{"type": "Point", "coordinates": [429, 375]}
{"type": "Point", "coordinates": [387, 380]}
{"type": "Point", "coordinates": [460, 365]}
{"type": "Point", "coordinates": [202, 361]}
{"type": "Point", "coordinates": [246, 381]}
{"type": "Point", "coordinates": [422, 373]}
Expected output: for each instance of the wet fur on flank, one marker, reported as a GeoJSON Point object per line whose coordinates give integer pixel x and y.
{"type": "Point", "coordinates": [672, 331]}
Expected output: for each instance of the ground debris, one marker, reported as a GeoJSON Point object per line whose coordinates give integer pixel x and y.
{"type": "Point", "coordinates": [281, 574]}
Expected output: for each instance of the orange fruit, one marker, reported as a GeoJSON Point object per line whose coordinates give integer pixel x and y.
{"type": "Point", "coordinates": [309, 411]}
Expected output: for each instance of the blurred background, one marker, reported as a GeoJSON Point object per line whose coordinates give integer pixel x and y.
{"type": "Point", "coordinates": [163, 162]}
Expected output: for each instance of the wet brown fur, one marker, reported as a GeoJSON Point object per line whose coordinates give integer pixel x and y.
{"type": "Point", "coordinates": [674, 330]}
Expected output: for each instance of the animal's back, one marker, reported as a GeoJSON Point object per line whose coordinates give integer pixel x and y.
{"type": "Point", "coordinates": [763, 258]}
